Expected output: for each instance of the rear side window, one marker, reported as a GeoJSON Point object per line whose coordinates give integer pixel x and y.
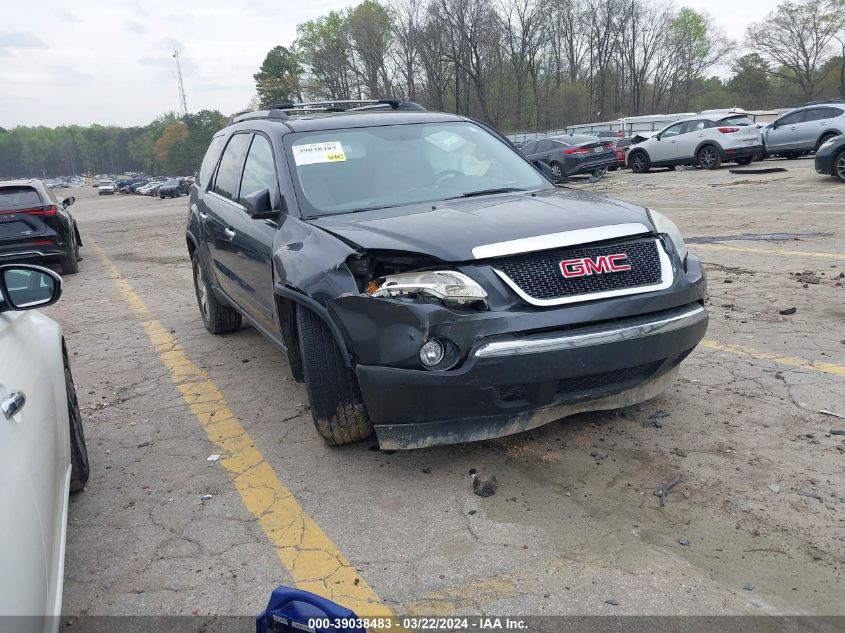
{"type": "Point", "coordinates": [546, 146]}
{"type": "Point", "coordinates": [19, 197]}
{"type": "Point", "coordinates": [260, 171]}
{"type": "Point", "coordinates": [832, 113]}
{"type": "Point", "coordinates": [530, 148]}
{"type": "Point", "coordinates": [208, 163]}
{"type": "Point", "coordinates": [228, 176]}
{"type": "Point", "coordinates": [816, 114]}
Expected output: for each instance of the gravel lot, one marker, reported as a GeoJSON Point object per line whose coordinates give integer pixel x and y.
{"type": "Point", "coordinates": [574, 523]}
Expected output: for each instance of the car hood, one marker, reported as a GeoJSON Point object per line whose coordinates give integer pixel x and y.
{"type": "Point", "coordinates": [450, 230]}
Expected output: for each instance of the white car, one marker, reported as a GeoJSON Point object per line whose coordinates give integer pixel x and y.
{"type": "Point", "coordinates": [106, 188]}
{"type": "Point", "coordinates": [706, 140]}
{"type": "Point", "coordinates": [42, 450]}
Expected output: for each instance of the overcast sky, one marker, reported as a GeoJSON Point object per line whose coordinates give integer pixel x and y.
{"type": "Point", "coordinates": [110, 62]}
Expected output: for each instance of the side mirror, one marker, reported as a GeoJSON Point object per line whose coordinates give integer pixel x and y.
{"type": "Point", "coordinates": [68, 201]}
{"type": "Point", "coordinates": [27, 287]}
{"type": "Point", "coordinates": [259, 206]}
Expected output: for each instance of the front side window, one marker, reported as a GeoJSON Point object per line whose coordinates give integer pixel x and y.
{"type": "Point", "coordinates": [673, 130]}
{"type": "Point", "coordinates": [793, 118]}
{"type": "Point", "coordinates": [228, 178]}
{"type": "Point", "coordinates": [209, 161]}
{"type": "Point", "coordinates": [342, 171]}
{"type": "Point", "coordinates": [260, 171]}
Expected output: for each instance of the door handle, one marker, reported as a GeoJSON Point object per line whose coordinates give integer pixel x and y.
{"type": "Point", "coordinates": [203, 216]}
{"type": "Point", "coordinates": [230, 233]}
{"type": "Point", "coordinates": [793, 128]}
{"type": "Point", "coordinates": [12, 404]}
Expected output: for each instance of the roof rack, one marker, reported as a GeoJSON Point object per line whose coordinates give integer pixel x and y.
{"type": "Point", "coordinates": [283, 110]}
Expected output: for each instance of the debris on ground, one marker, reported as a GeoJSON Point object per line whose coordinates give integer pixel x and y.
{"type": "Point", "coordinates": [612, 602]}
{"type": "Point", "coordinates": [748, 586]}
{"type": "Point", "coordinates": [683, 541]}
{"type": "Point", "coordinates": [484, 486]}
{"type": "Point", "coordinates": [212, 458]}
{"type": "Point", "coordinates": [663, 489]}
{"type": "Point", "coordinates": [833, 413]}
{"type": "Point", "coordinates": [808, 277]}
{"type": "Point", "coordinates": [206, 497]}
{"type": "Point", "coordinates": [773, 487]}
{"type": "Point", "coordinates": [599, 455]}
{"type": "Point", "coordinates": [788, 311]}
{"type": "Point", "coordinates": [759, 170]}
{"type": "Point", "coordinates": [807, 493]}
{"type": "Point", "coordinates": [427, 471]}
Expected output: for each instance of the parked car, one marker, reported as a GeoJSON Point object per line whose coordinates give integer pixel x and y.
{"type": "Point", "coordinates": [622, 147]}
{"type": "Point", "coordinates": [42, 450]}
{"type": "Point", "coordinates": [572, 155]}
{"type": "Point", "coordinates": [133, 188]}
{"type": "Point", "coordinates": [830, 157]}
{"type": "Point", "coordinates": [704, 140]}
{"type": "Point", "coordinates": [428, 282]}
{"type": "Point", "coordinates": [106, 189]}
{"type": "Point", "coordinates": [173, 188]}
{"type": "Point", "coordinates": [805, 130]}
{"type": "Point", "coordinates": [36, 227]}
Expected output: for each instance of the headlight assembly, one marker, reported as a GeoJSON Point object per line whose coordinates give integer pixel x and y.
{"type": "Point", "coordinates": [827, 143]}
{"type": "Point", "coordinates": [448, 286]}
{"type": "Point", "coordinates": [667, 227]}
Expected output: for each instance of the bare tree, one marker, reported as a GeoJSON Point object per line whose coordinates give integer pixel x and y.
{"type": "Point", "coordinates": [796, 37]}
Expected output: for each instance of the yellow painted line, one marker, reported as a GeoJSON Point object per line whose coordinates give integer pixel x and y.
{"type": "Point", "coordinates": [826, 368]}
{"type": "Point", "coordinates": [314, 563]}
{"type": "Point", "coordinates": [768, 251]}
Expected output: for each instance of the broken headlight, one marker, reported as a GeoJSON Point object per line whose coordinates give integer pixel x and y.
{"type": "Point", "coordinates": [447, 286]}
{"type": "Point", "coordinates": [667, 227]}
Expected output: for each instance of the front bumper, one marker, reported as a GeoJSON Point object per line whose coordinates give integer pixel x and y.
{"type": "Point", "coordinates": [733, 153]}
{"type": "Point", "coordinates": [510, 384]}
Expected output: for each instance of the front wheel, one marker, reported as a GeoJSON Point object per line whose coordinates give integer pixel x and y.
{"type": "Point", "coordinates": [336, 404]}
{"type": "Point", "coordinates": [839, 166]}
{"type": "Point", "coordinates": [709, 158]}
{"type": "Point", "coordinates": [217, 317]}
{"type": "Point", "coordinates": [639, 163]}
{"type": "Point", "coordinates": [80, 468]}
{"type": "Point", "coordinates": [557, 170]}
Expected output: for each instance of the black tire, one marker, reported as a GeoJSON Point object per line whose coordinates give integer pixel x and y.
{"type": "Point", "coordinates": [557, 170]}
{"type": "Point", "coordinates": [745, 160]}
{"type": "Point", "coordinates": [791, 156]}
{"type": "Point", "coordinates": [336, 404]}
{"type": "Point", "coordinates": [639, 163]}
{"type": "Point", "coordinates": [708, 157]}
{"type": "Point", "coordinates": [70, 262]}
{"type": "Point", "coordinates": [80, 468]}
{"type": "Point", "coordinates": [838, 169]}
{"type": "Point", "coordinates": [217, 317]}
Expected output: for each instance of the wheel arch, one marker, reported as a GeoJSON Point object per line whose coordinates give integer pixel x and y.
{"type": "Point", "coordinates": [707, 143]}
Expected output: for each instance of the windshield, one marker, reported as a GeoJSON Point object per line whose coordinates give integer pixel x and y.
{"type": "Point", "coordinates": [342, 171]}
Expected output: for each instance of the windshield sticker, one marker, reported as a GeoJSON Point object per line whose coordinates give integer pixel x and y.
{"type": "Point", "coordinates": [311, 153]}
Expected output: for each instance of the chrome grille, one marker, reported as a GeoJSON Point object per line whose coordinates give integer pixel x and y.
{"type": "Point", "coordinates": [539, 275]}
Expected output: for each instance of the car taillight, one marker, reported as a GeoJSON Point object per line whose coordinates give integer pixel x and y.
{"type": "Point", "coordinates": [728, 130]}
{"type": "Point", "coordinates": [51, 210]}
{"type": "Point", "coordinates": [576, 150]}
{"type": "Point", "coordinates": [611, 145]}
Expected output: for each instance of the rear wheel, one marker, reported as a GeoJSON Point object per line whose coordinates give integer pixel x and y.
{"type": "Point", "coordinates": [557, 170]}
{"type": "Point", "coordinates": [336, 404]}
{"type": "Point", "coordinates": [79, 465]}
{"type": "Point", "coordinates": [709, 158]}
{"type": "Point", "coordinates": [639, 162]}
{"type": "Point", "coordinates": [70, 262]}
{"type": "Point", "coordinates": [217, 317]}
{"type": "Point", "coordinates": [839, 166]}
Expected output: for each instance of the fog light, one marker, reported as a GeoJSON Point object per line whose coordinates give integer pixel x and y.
{"type": "Point", "coordinates": [432, 353]}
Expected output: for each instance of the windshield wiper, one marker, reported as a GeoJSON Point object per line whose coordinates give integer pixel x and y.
{"type": "Point", "coordinates": [485, 192]}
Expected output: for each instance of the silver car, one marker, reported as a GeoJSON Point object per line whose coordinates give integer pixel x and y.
{"type": "Point", "coordinates": [804, 130]}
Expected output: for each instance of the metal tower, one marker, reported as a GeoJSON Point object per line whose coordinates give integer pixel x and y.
{"type": "Point", "coordinates": [183, 104]}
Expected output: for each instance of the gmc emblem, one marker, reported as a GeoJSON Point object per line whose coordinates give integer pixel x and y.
{"type": "Point", "coordinates": [583, 266]}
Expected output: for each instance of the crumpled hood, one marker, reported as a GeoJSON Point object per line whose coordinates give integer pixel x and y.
{"type": "Point", "coordinates": [454, 228]}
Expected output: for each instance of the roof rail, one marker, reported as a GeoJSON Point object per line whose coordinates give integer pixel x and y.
{"type": "Point", "coordinates": [824, 101]}
{"type": "Point", "coordinates": [282, 110]}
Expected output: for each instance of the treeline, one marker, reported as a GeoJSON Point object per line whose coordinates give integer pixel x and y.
{"type": "Point", "coordinates": [540, 64]}
{"type": "Point", "coordinates": [169, 145]}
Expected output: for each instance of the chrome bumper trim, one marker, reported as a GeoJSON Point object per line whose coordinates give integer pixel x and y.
{"type": "Point", "coordinates": [592, 336]}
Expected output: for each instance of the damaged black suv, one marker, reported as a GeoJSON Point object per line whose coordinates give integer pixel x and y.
{"type": "Point", "coordinates": [427, 281]}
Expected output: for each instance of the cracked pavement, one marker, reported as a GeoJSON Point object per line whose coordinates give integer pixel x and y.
{"type": "Point", "coordinates": [574, 522]}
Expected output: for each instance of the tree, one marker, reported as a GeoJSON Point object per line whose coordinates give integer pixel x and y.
{"type": "Point", "coordinates": [173, 134]}
{"type": "Point", "coordinates": [278, 79]}
{"type": "Point", "coordinates": [698, 46]}
{"type": "Point", "coordinates": [796, 38]}
{"type": "Point", "coordinates": [369, 26]}
{"type": "Point", "coordinates": [750, 84]}
{"type": "Point", "coordinates": [324, 48]}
